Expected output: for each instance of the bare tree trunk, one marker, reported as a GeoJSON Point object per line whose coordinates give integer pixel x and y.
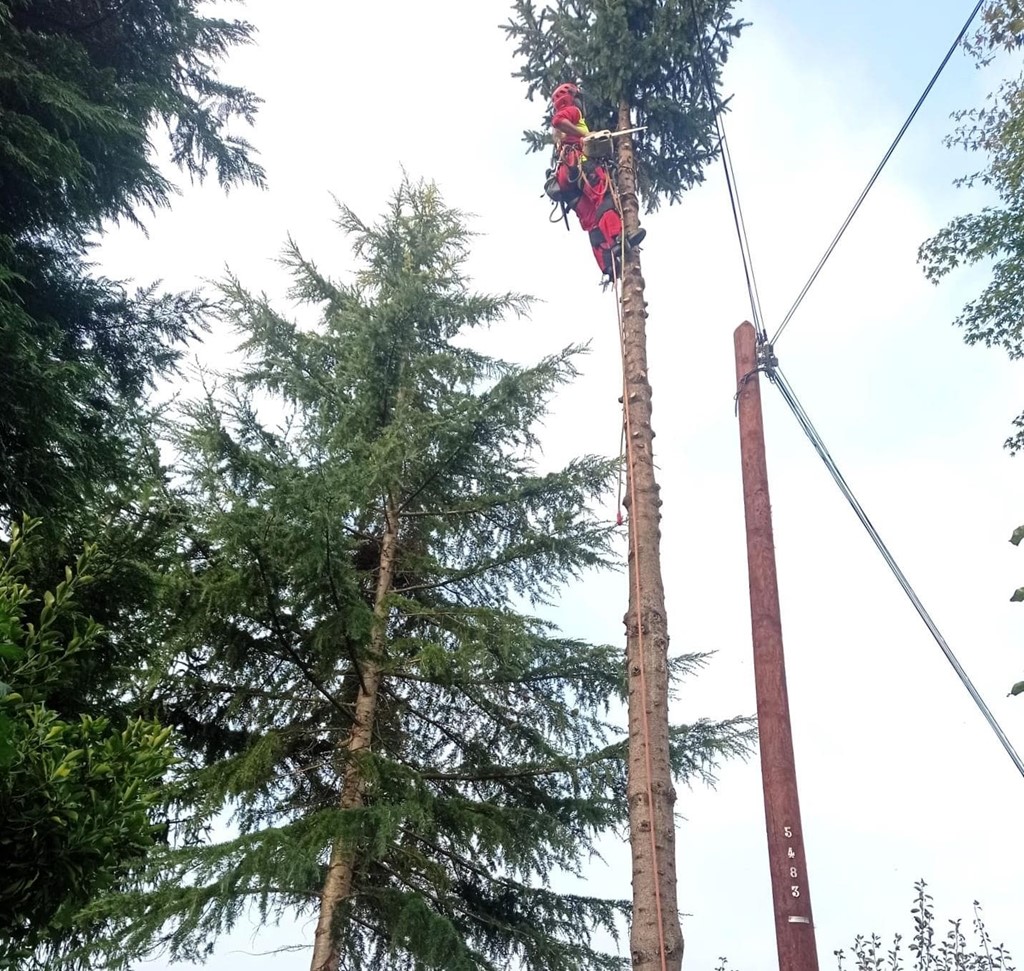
{"type": "Point", "coordinates": [341, 866]}
{"type": "Point", "coordinates": [655, 927]}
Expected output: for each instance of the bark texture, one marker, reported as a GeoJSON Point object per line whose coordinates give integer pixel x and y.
{"type": "Point", "coordinates": [341, 865]}
{"type": "Point", "coordinates": [650, 789]}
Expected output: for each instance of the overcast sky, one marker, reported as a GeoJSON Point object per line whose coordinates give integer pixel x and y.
{"type": "Point", "coordinates": [900, 777]}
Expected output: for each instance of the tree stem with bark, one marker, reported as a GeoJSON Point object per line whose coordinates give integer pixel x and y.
{"type": "Point", "coordinates": [341, 866]}
{"type": "Point", "coordinates": [655, 925]}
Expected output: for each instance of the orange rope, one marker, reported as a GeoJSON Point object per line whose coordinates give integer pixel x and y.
{"type": "Point", "coordinates": [622, 469]}
{"type": "Point", "coordinates": [639, 610]}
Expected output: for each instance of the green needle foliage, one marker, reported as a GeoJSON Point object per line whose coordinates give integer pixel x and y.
{"type": "Point", "coordinates": [367, 523]}
{"type": "Point", "coordinates": [83, 81]}
{"type": "Point", "coordinates": [75, 792]}
{"type": "Point", "coordinates": [83, 85]}
{"type": "Point", "coordinates": [654, 64]}
{"type": "Point", "coordinates": [658, 57]}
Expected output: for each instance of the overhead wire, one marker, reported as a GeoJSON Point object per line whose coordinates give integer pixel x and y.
{"type": "Point", "coordinates": [714, 103]}
{"type": "Point", "coordinates": [878, 171]}
{"type": "Point", "coordinates": [741, 232]}
{"type": "Point", "coordinates": [776, 376]}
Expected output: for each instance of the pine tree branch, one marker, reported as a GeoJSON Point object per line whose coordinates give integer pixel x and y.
{"type": "Point", "coordinates": [610, 753]}
{"type": "Point", "coordinates": [459, 861]}
{"type": "Point", "coordinates": [534, 678]}
{"type": "Point", "coordinates": [283, 639]}
{"type": "Point", "coordinates": [498, 776]}
{"type": "Point", "coordinates": [521, 552]}
{"type": "Point", "coordinates": [114, 11]}
{"type": "Point", "coordinates": [457, 740]}
{"type": "Point", "coordinates": [349, 649]}
{"type": "Point", "coordinates": [454, 902]}
{"type": "Point", "coordinates": [247, 691]}
{"type": "Point", "coordinates": [502, 720]}
{"type": "Point", "coordinates": [465, 511]}
{"type": "Point", "coordinates": [440, 468]}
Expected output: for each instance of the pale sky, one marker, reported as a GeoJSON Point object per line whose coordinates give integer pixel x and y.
{"type": "Point", "coordinates": [900, 778]}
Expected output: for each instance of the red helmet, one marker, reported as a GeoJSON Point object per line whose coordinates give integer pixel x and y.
{"type": "Point", "coordinates": [564, 95]}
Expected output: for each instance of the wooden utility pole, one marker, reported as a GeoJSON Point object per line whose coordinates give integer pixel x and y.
{"type": "Point", "coordinates": [794, 928]}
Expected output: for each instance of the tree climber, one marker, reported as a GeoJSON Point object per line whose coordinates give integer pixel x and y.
{"type": "Point", "coordinates": [584, 185]}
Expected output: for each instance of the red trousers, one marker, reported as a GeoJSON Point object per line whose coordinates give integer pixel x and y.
{"type": "Point", "coordinates": [593, 205]}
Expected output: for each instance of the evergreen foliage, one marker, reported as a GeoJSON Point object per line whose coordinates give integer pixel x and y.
{"type": "Point", "coordinates": [75, 792]}
{"type": "Point", "coordinates": [656, 56]}
{"type": "Point", "coordinates": [367, 523]}
{"type": "Point", "coordinates": [82, 83]}
{"type": "Point", "coordinates": [85, 85]}
{"type": "Point", "coordinates": [654, 64]}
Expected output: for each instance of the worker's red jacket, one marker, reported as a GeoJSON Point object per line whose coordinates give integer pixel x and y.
{"type": "Point", "coordinates": [592, 183]}
{"type": "Point", "coordinates": [574, 116]}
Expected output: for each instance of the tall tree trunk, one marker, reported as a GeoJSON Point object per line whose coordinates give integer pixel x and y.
{"type": "Point", "coordinates": [341, 866]}
{"type": "Point", "coordinates": [651, 793]}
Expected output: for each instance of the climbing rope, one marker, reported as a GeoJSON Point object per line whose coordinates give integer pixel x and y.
{"type": "Point", "coordinates": [730, 182]}
{"type": "Point", "coordinates": [617, 202]}
{"type": "Point", "coordinates": [638, 590]}
{"type": "Point", "coordinates": [622, 460]}
{"type": "Point", "coordinates": [609, 167]}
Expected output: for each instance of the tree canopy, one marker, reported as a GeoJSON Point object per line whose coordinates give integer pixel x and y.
{"type": "Point", "coordinates": [82, 85]}
{"type": "Point", "coordinates": [659, 57]}
{"type": "Point", "coordinates": [88, 91]}
{"type": "Point", "coordinates": [401, 748]}
{"type": "Point", "coordinates": [992, 236]}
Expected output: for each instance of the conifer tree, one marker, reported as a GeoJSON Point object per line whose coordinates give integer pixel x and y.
{"type": "Point", "coordinates": [645, 63]}
{"type": "Point", "coordinates": [82, 84]}
{"type": "Point", "coordinates": [406, 754]}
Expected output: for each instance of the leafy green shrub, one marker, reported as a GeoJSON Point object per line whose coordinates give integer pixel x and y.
{"type": "Point", "coordinates": [76, 794]}
{"type": "Point", "coordinates": [927, 951]}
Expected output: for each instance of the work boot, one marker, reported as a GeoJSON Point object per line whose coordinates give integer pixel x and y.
{"type": "Point", "coordinates": [613, 259]}
{"type": "Point", "coordinates": [632, 242]}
